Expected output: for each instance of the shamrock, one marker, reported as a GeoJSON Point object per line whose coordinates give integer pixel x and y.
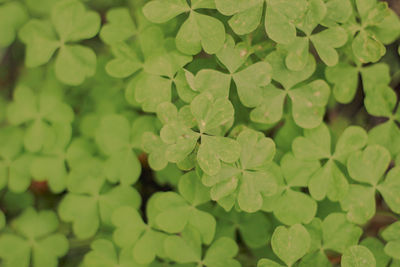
{"type": "Point", "coordinates": [42, 38]}
{"type": "Point", "coordinates": [13, 15]}
{"type": "Point", "coordinates": [14, 165]}
{"type": "Point", "coordinates": [360, 199]}
{"type": "Point", "coordinates": [115, 136]}
{"type": "Point", "coordinates": [378, 26]}
{"type": "Point", "coordinates": [89, 201]}
{"type": "Point", "coordinates": [391, 235]}
{"type": "Point", "coordinates": [177, 211]}
{"type": "Point", "coordinates": [335, 233]}
{"type": "Point", "coordinates": [34, 241]}
{"type": "Point", "coordinates": [104, 254]}
{"type": "Point", "coordinates": [197, 32]}
{"type": "Point", "coordinates": [308, 101]}
{"type": "Point", "coordinates": [358, 256]}
{"type": "Point", "coordinates": [280, 16]}
{"type": "Point", "coordinates": [131, 232]}
{"type": "Point", "coordinates": [289, 244]}
{"type": "Point", "coordinates": [50, 164]}
{"type": "Point", "coordinates": [186, 249]}
{"type": "Point", "coordinates": [255, 229]}
{"type": "Point", "coordinates": [211, 116]}
{"type": "Point", "coordinates": [344, 76]}
{"type": "Point", "coordinates": [39, 112]}
{"type": "Point", "coordinates": [248, 179]}
{"type": "Point", "coordinates": [329, 180]}
{"type": "Point", "coordinates": [381, 102]}
{"type": "Point", "coordinates": [248, 80]}
{"type": "Point", "coordinates": [290, 205]}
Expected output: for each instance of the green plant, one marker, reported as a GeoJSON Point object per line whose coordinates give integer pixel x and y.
{"type": "Point", "coordinates": [211, 133]}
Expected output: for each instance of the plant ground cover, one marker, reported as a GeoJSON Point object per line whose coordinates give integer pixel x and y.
{"type": "Point", "coordinates": [190, 133]}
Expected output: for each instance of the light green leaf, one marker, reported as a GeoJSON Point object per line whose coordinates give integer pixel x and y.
{"type": "Point", "coordinates": [315, 145]}
{"type": "Point", "coordinates": [290, 244]}
{"type": "Point", "coordinates": [359, 203]}
{"type": "Point", "coordinates": [367, 48]}
{"type": "Point", "coordinates": [160, 11]}
{"type": "Point", "coordinates": [357, 256]}
{"type": "Point", "coordinates": [309, 103]}
{"type": "Point", "coordinates": [390, 189]}
{"type": "Point", "coordinates": [369, 165]}
{"type": "Point", "coordinates": [338, 233]}
{"type": "Point", "coordinates": [12, 16]}
{"type": "Point", "coordinates": [119, 27]}
{"type": "Point", "coordinates": [344, 77]}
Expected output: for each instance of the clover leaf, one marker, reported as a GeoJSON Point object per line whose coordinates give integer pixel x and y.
{"type": "Point", "coordinates": [329, 180]}
{"type": "Point", "coordinates": [290, 205]}
{"type": "Point", "coordinates": [197, 32]}
{"type": "Point", "coordinates": [116, 136]}
{"type": "Point", "coordinates": [376, 246]}
{"type": "Point", "coordinates": [103, 253]}
{"type": "Point", "coordinates": [89, 201]}
{"type": "Point", "coordinates": [74, 62]}
{"type": "Point", "coordinates": [187, 249]}
{"type": "Point", "coordinates": [14, 165]}
{"type": "Point", "coordinates": [360, 199]}
{"type": "Point", "coordinates": [391, 235]}
{"type": "Point", "coordinates": [381, 102]}
{"type": "Point", "coordinates": [358, 256]}
{"type": "Point", "coordinates": [211, 116]}
{"type": "Point", "coordinates": [249, 80]}
{"type": "Point", "coordinates": [308, 101]}
{"type": "Point", "coordinates": [132, 232]}
{"type": "Point", "coordinates": [13, 15]}
{"type": "Point", "coordinates": [324, 42]}
{"type": "Point", "coordinates": [289, 244]}
{"type": "Point", "coordinates": [248, 179]}
{"type": "Point", "coordinates": [39, 112]}
{"type": "Point", "coordinates": [177, 211]}
{"type": "Point", "coordinates": [255, 229]}
{"type": "Point", "coordinates": [34, 241]}
{"type": "Point", "coordinates": [119, 26]}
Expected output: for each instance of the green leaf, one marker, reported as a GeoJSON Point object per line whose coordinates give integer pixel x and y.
{"type": "Point", "coordinates": [389, 189]}
{"type": "Point", "coordinates": [357, 256]}
{"type": "Point", "coordinates": [221, 252]}
{"type": "Point", "coordinates": [200, 31]}
{"type": "Point", "coordinates": [367, 48]}
{"type": "Point", "coordinates": [280, 17]}
{"type": "Point", "coordinates": [359, 203]}
{"type": "Point", "coordinates": [74, 63]}
{"type": "Point", "coordinates": [160, 11]}
{"type": "Point", "coordinates": [309, 103]}
{"type": "Point", "coordinates": [387, 135]}
{"type": "Point", "coordinates": [283, 75]}
{"type": "Point", "coordinates": [246, 14]}
{"type": "Point", "coordinates": [316, 144]}
{"type": "Point", "coordinates": [377, 248]}
{"type": "Point", "coordinates": [338, 233]}
{"type": "Point", "coordinates": [325, 43]}
{"type": "Point", "coordinates": [360, 167]}
{"type": "Point", "coordinates": [344, 77]}
{"type": "Point", "coordinates": [12, 16]}
{"type": "Point", "coordinates": [290, 244]}
{"type": "Point", "coordinates": [250, 82]}
{"type": "Point", "coordinates": [119, 27]}
{"type": "Point", "coordinates": [185, 248]}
